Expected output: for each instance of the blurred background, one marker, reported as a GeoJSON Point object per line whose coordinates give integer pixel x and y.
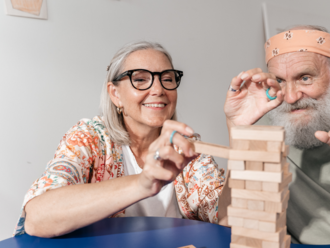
{"type": "Point", "coordinates": [51, 71]}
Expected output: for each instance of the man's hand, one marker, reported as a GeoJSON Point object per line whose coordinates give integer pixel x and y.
{"type": "Point", "coordinates": [323, 136]}
{"type": "Point", "coordinates": [250, 102]}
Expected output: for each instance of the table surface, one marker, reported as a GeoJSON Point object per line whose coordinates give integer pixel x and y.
{"type": "Point", "coordinates": [135, 232]}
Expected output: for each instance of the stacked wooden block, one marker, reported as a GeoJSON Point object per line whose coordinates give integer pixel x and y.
{"type": "Point", "coordinates": [259, 178]}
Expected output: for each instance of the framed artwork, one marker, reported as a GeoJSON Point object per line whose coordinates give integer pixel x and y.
{"type": "Point", "coordinates": [27, 8]}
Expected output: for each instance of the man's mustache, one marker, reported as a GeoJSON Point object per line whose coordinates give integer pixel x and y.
{"type": "Point", "coordinates": [300, 104]}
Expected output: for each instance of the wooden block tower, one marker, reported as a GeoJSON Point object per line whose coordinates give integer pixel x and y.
{"type": "Point", "coordinates": [259, 179]}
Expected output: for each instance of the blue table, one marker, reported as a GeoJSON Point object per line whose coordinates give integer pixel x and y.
{"type": "Point", "coordinates": [135, 232]}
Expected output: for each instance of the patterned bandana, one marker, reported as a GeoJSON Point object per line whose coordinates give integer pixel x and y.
{"type": "Point", "coordinates": [298, 41]}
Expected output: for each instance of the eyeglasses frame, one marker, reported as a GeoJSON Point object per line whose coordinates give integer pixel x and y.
{"type": "Point", "coordinates": [130, 72]}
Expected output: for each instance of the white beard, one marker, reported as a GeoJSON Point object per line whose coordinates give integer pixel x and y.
{"type": "Point", "coordinates": [299, 132]}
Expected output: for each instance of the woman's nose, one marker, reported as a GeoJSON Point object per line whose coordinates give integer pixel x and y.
{"type": "Point", "coordinates": [157, 87]}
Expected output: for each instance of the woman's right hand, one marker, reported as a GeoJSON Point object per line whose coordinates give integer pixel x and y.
{"type": "Point", "coordinates": [157, 173]}
{"type": "Point", "coordinates": [250, 102]}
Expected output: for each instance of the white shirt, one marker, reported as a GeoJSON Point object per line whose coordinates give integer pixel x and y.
{"type": "Point", "coordinates": [164, 204]}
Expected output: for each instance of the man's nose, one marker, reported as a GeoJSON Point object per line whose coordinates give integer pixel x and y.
{"type": "Point", "coordinates": [291, 93]}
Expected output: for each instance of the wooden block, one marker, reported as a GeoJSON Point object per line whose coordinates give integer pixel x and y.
{"type": "Point", "coordinates": [258, 145]}
{"type": "Point", "coordinates": [254, 166]}
{"type": "Point", "coordinates": [236, 165]}
{"type": "Point", "coordinates": [267, 133]}
{"type": "Point", "coordinates": [261, 176]}
{"type": "Point", "coordinates": [211, 149]}
{"type": "Point", "coordinates": [259, 195]}
{"type": "Point", "coordinates": [256, 205]}
{"type": "Point", "coordinates": [273, 157]}
{"type": "Point", "coordinates": [251, 224]}
{"type": "Point", "coordinates": [240, 144]}
{"type": "Point", "coordinates": [277, 187]}
{"type": "Point", "coordinates": [256, 234]}
{"type": "Point", "coordinates": [256, 215]}
{"type": "Point", "coordinates": [238, 239]}
{"type": "Point", "coordinates": [277, 207]}
{"type": "Point", "coordinates": [188, 246]}
{"type": "Point", "coordinates": [236, 184]}
{"type": "Point", "coordinates": [233, 245]}
{"type": "Point", "coordinates": [235, 221]}
{"type": "Point", "coordinates": [274, 167]}
{"type": "Point", "coordinates": [274, 146]}
{"type": "Point", "coordinates": [272, 227]}
{"type": "Point", "coordinates": [285, 244]}
{"type": "Point", "coordinates": [246, 241]}
{"type": "Point", "coordinates": [285, 150]}
{"type": "Point", "coordinates": [253, 185]}
{"type": "Point", "coordinates": [286, 168]}
{"type": "Point", "coordinates": [239, 203]}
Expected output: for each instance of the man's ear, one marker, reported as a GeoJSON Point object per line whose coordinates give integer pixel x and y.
{"type": "Point", "coordinates": [114, 94]}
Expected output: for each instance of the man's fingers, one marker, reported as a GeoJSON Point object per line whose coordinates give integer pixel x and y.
{"type": "Point", "coordinates": [249, 74]}
{"type": "Point", "coordinates": [323, 136]}
{"type": "Point", "coordinates": [276, 102]}
{"type": "Point", "coordinates": [260, 77]}
{"type": "Point", "coordinates": [235, 84]}
{"type": "Point", "coordinates": [272, 85]}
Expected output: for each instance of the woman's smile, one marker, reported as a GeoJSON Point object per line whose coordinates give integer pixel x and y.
{"type": "Point", "coordinates": [155, 105]}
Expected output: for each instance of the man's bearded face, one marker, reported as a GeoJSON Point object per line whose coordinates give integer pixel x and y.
{"type": "Point", "coordinates": [306, 108]}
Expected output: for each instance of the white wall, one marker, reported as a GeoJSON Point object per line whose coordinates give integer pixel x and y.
{"type": "Point", "coordinates": [51, 71]}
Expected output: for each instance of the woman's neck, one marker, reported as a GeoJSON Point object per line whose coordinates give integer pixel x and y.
{"type": "Point", "coordinates": [141, 138]}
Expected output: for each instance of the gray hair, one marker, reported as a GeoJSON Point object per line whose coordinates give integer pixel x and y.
{"type": "Point", "coordinates": [114, 122]}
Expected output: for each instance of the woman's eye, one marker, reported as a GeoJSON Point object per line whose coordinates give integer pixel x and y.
{"type": "Point", "coordinates": [305, 78]}
{"type": "Point", "coordinates": [167, 79]}
{"type": "Point", "coordinates": [279, 80]}
{"type": "Point", "coordinates": [139, 80]}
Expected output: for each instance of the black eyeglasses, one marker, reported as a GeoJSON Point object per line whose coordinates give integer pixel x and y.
{"type": "Point", "coordinates": [143, 79]}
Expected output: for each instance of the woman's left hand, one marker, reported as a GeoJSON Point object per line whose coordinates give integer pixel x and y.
{"type": "Point", "coordinates": [157, 173]}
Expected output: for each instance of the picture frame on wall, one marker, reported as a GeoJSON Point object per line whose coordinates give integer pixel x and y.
{"type": "Point", "coordinates": [27, 8]}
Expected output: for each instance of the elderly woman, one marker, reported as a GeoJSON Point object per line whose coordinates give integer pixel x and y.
{"type": "Point", "coordinates": [134, 160]}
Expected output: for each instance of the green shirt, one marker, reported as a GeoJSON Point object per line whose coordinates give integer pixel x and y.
{"type": "Point", "coordinates": [308, 213]}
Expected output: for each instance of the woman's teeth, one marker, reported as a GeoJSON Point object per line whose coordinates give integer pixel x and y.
{"type": "Point", "coordinates": [155, 105]}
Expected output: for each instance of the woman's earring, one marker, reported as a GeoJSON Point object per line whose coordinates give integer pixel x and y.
{"type": "Point", "coordinates": [119, 110]}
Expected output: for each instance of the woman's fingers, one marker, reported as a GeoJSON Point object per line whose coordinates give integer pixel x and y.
{"type": "Point", "coordinates": [187, 147]}
{"type": "Point", "coordinates": [171, 135]}
{"type": "Point", "coordinates": [167, 168]}
{"type": "Point", "coordinates": [170, 125]}
{"type": "Point", "coordinates": [161, 174]}
{"type": "Point", "coordinates": [323, 136]}
{"type": "Point", "coordinates": [168, 153]}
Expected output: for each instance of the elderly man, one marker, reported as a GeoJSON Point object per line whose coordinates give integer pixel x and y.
{"type": "Point", "coordinates": [297, 97]}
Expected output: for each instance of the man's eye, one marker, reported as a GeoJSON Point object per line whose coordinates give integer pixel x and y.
{"type": "Point", "coordinates": [279, 80]}
{"type": "Point", "coordinates": [306, 80]}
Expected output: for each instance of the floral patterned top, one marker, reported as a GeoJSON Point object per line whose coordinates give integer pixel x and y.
{"type": "Point", "coordinates": [87, 155]}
